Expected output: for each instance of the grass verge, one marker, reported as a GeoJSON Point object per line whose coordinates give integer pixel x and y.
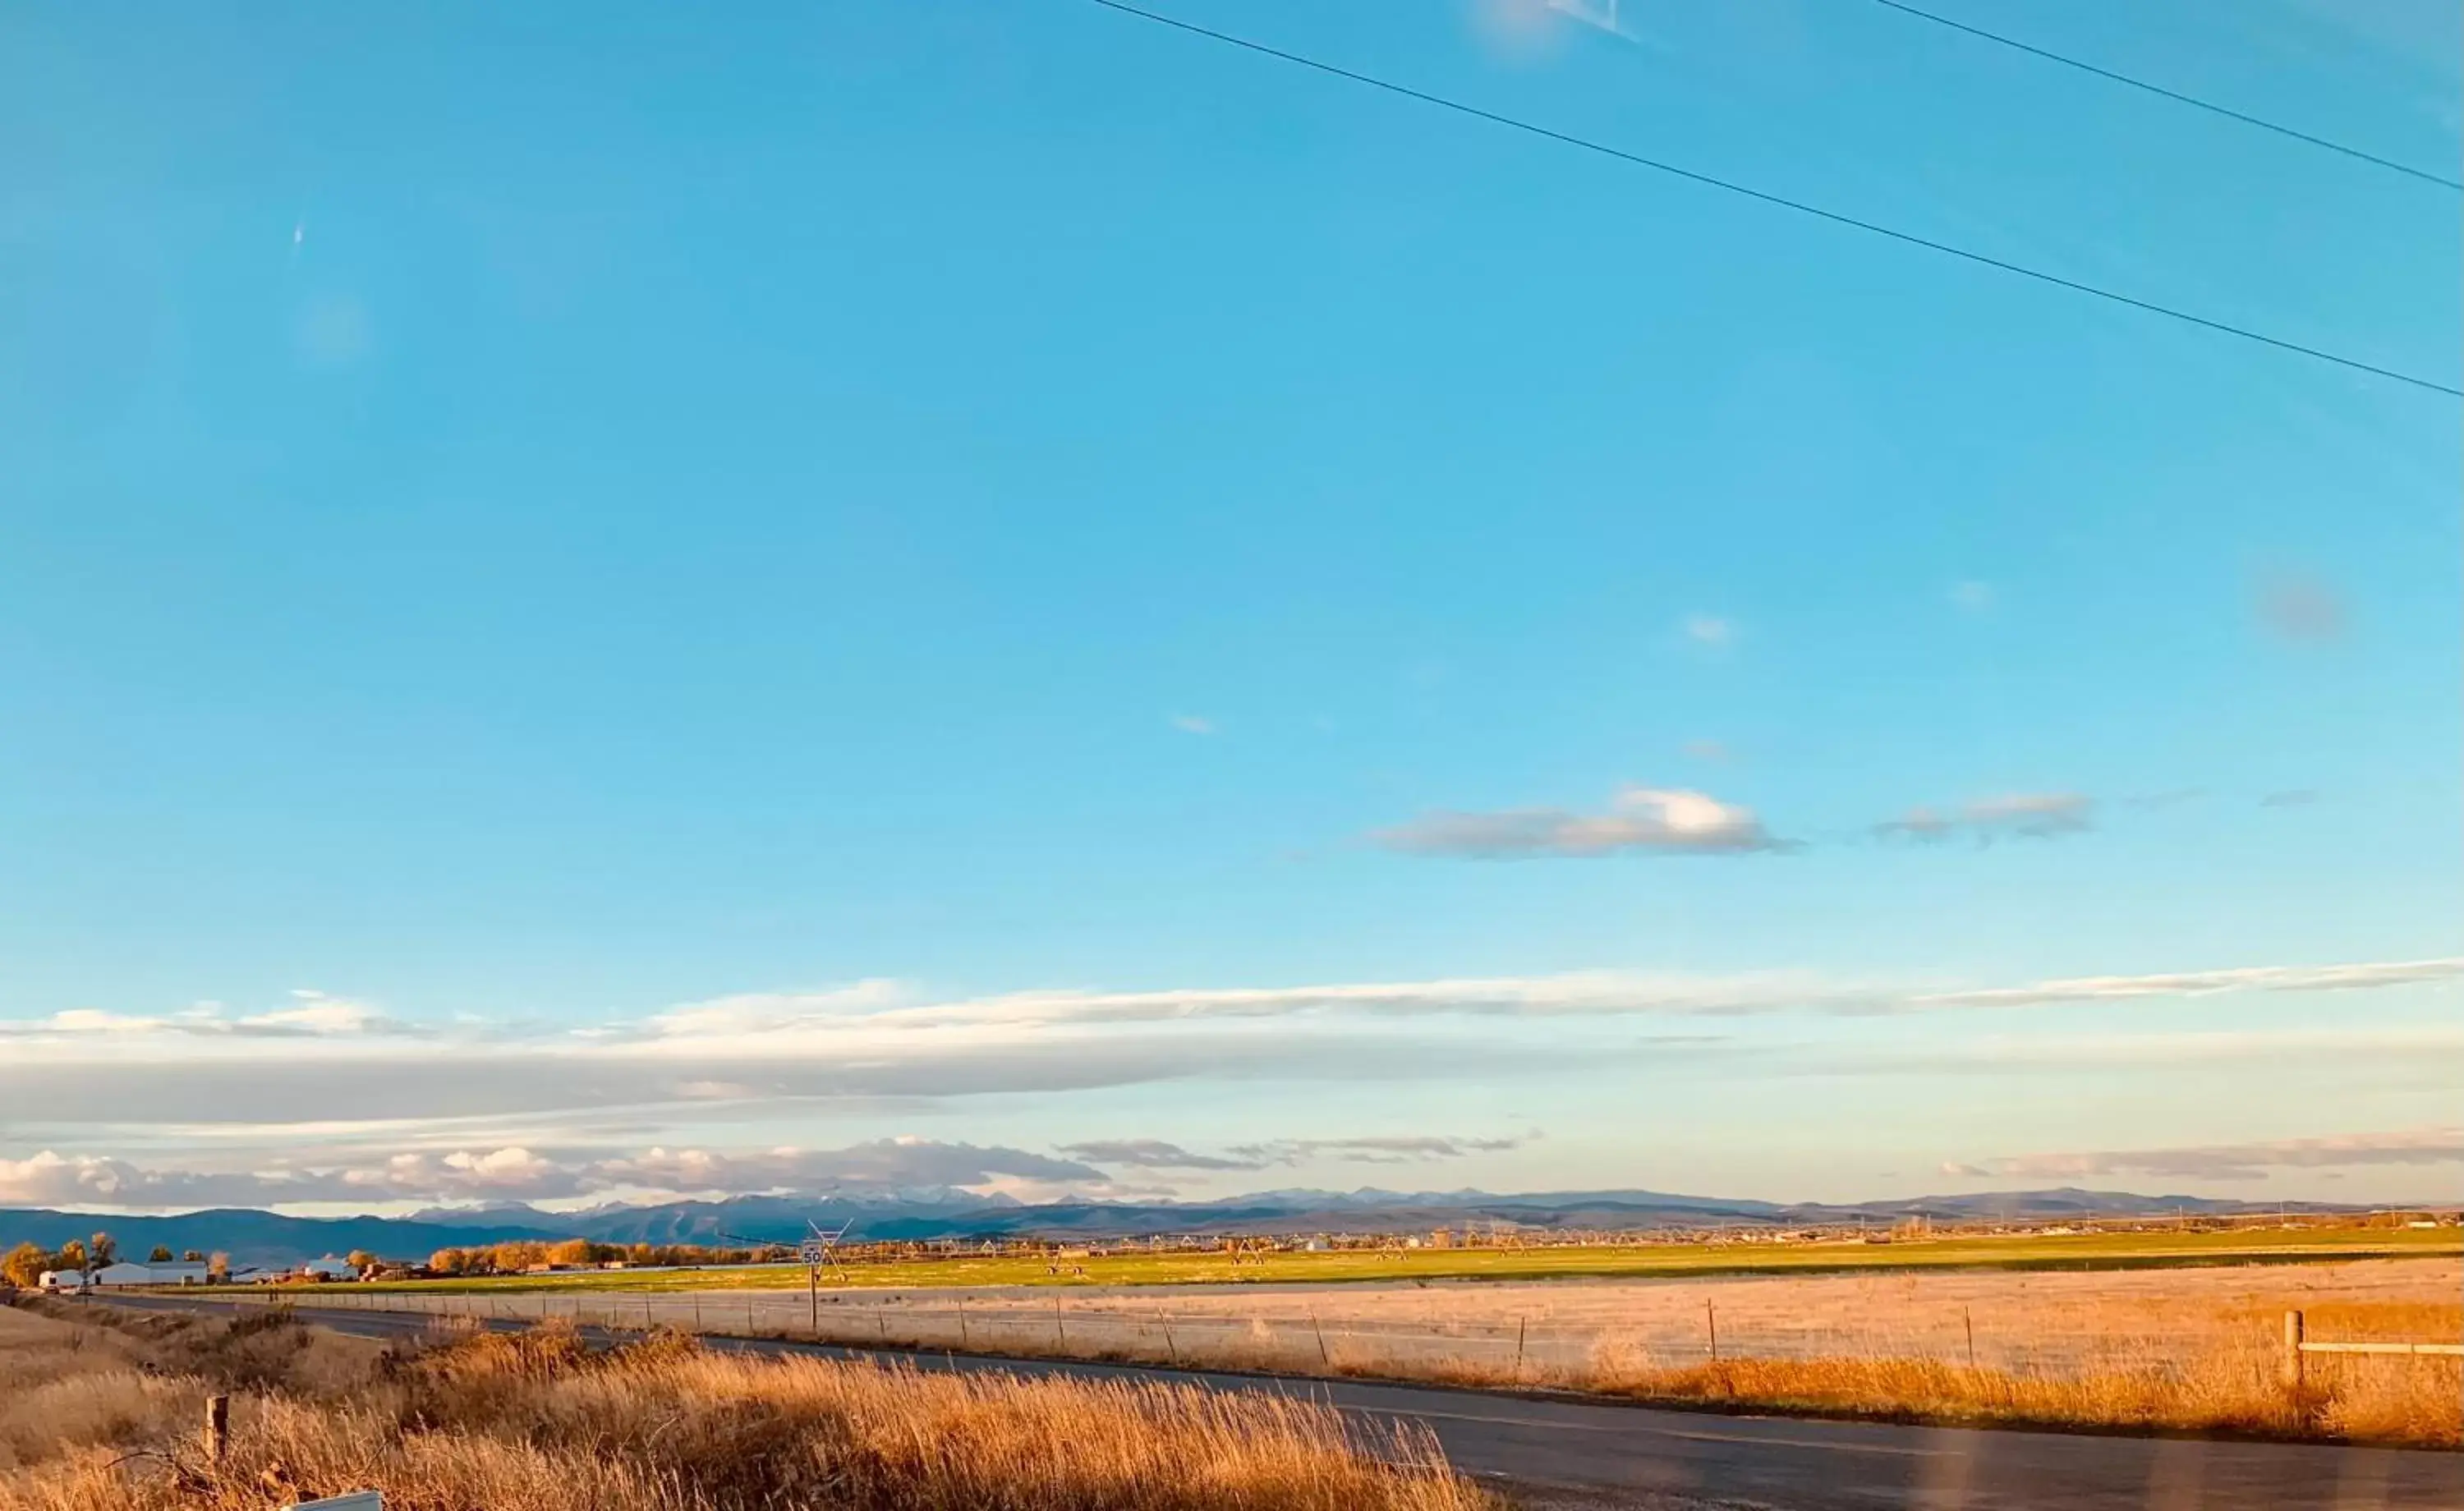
{"type": "Point", "coordinates": [536, 1422]}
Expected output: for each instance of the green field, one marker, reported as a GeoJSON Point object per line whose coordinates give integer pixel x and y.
{"type": "Point", "coordinates": [2072, 1252]}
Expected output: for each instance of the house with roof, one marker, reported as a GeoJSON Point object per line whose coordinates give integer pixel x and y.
{"type": "Point", "coordinates": [168, 1272]}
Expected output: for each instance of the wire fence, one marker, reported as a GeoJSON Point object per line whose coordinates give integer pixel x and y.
{"type": "Point", "coordinates": [1060, 1324]}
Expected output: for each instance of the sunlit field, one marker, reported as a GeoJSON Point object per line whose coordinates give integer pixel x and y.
{"type": "Point", "coordinates": [98, 1413]}
{"type": "Point", "coordinates": [2132, 1346]}
{"type": "Point", "coordinates": [2057, 1252]}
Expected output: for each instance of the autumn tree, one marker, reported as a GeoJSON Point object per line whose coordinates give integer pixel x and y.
{"type": "Point", "coordinates": [103, 1247]}
{"type": "Point", "coordinates": [25, 1265]}
{"type": "Point", "coordinates": [194, 1256]}
{"type": "Point", "coordinates": [361, 1261]}
{"type": "Point", "coordinates": [448, 1262]}
{"type": "Point", "coordinates": [217, 1265]}
{"type": "Point", "coordinates": [514, 1256]}
{"type": "Point", "coordinates": [161, 1255]}
{"type": "Point", "coordinates": [72, 1256]}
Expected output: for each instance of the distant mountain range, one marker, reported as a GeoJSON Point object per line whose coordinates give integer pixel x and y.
{"type": "Point", "coordinates": [263, 1238]}
{"type": "Point", "coordinates": [251, 1236]}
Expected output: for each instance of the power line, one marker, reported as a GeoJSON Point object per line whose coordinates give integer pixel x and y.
{"type": "Point", "coordinates": [1767, 198]}
{"type": "Point", "coordinates": [2174, 94]}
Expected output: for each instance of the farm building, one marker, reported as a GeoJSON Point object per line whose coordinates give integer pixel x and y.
{"type": "Point", "coordinates": [169, 1273]}
{"type": "Point", "coordinates": [61, 1280]}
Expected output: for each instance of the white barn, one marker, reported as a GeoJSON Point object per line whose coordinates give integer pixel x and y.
{"type": "Point", "coordinates": [128, 1272]}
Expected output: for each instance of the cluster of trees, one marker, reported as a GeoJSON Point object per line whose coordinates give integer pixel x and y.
{"type": "Point", "coordinates": [24, 1265]}
{"type": "Point", "coordinates": [516, 1256]}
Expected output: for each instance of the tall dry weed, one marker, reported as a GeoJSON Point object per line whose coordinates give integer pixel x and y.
{"type": "Point", "coordinates": [536, 1422]}
{"type": "Point", "coordinates": [2224, 1388]}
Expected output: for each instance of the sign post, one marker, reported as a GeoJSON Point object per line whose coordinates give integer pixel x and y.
{"type": "Point", "coordinates": [815, 1253]}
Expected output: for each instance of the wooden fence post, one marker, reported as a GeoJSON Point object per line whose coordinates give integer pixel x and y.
{"type": "Point", "coordinates": [217, 1433]}
{"type": "Point", "coordinates": [2293, 1351]}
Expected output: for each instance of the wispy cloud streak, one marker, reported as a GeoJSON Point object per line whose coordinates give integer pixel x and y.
{"type": "Point", "coordinates": [2424, 1145]}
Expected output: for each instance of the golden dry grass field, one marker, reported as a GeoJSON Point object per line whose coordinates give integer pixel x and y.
{"type": "Point", "coordinates": [101, 1413]}
{"type": "Point", "coordinates": [2175, 1347]}
{"type": "Point", "coordinates": [2154, 1249]}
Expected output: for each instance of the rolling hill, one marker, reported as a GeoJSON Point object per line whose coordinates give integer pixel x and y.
{"type": "Point", "coordinates": [253, 1236]}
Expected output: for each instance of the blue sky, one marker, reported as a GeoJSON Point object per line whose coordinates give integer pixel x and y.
{"type": "Point", "coordinates": [520, 526]}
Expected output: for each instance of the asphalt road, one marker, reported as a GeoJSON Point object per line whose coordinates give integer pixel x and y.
{"type": "Point", "coordinates": [1581, 1454]}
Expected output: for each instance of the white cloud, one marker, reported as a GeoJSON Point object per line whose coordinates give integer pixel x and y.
{"type": "Point", "coordinates": [1398, 1149]}
{"type": "Point", "coordinates": [1151, 1153]}
{"type": "Point", "coordinates": [1710, 629]}
{"type": "Point", "coordinates": [1385, 1150]}
{"type": "Point", "coordinates": [2027, 815]}
{"type": "Point", "coordinates": [515, 1173]}
{"type": "Point", "coordinates": [753, 1012]}
{"type": "Point", "coordinates": [2425, 1049]}
{"type": "Point", "coordinates": [1639, 821]}
{"type": "Point", "coordinates": [311, 1015]}
{"type": "Point", "coordinates": [881, 1047]}
{"type": "Point", "coordinates": [2423, 1146]}
{"type": "Point", "coordinates": [51, 1179]}
{"type": "Point", "coordinates": [2360, 976]}
{"type": "Point", "coordinates": [314, 1011]}
{"type": "Point", "coordinates": [880, 1165]}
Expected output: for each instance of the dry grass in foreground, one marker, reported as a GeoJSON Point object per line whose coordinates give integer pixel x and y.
{"type": "Point", "coordinates": [2404, 1402]}
{"type": "Point", "coordinates": [536, 1422]}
